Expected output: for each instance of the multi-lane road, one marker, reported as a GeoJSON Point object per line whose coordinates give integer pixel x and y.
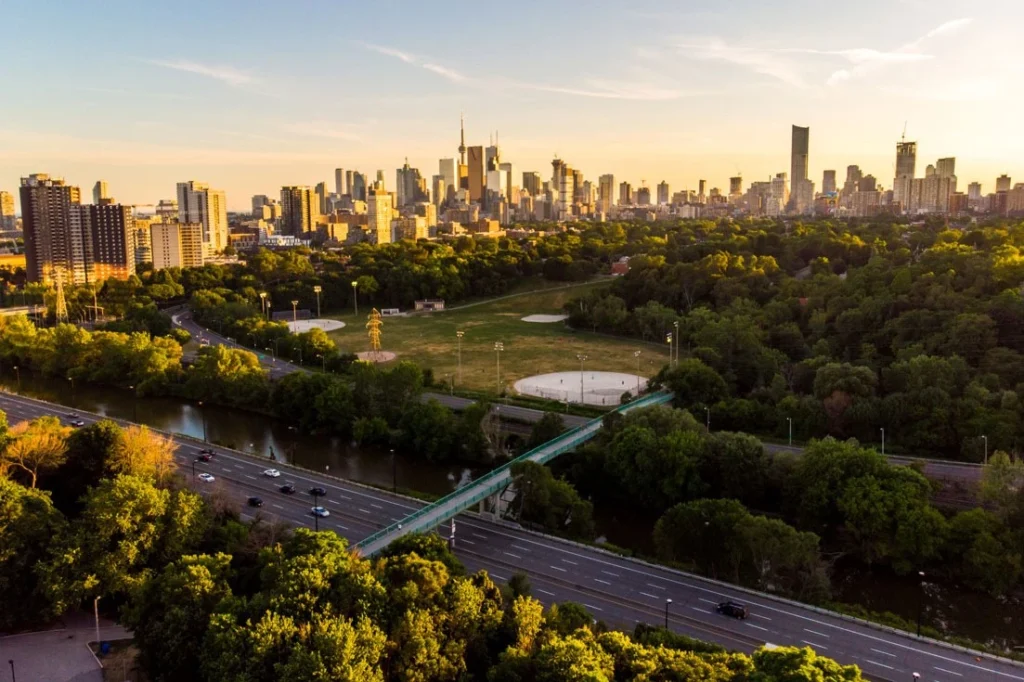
{"type": "Point", "coordinates": [617, 590]}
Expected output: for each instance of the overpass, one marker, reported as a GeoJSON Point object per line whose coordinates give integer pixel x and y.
{"type": "Point", "coordinates": [493, 483]}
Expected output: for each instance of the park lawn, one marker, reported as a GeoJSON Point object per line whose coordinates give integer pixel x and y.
{"type": "Point", "coordinates": [429, 340]}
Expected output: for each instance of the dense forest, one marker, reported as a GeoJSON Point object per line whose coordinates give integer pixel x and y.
{"type": "Point", "coordinates": [844, 328]}
{"type": "Point", "coordinates": [209, 597]}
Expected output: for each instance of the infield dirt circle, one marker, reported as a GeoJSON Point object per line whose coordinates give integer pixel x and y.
{"type": "Point", "coordinates": [598, 388]}
{"type": "Point", "coordinates": [376, 356]}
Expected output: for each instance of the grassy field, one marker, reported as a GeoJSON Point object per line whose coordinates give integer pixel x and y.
{"type": "Point", "coordinates": [429, 340]}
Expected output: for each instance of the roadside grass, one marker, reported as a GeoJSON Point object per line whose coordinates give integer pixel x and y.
{"type": "Point", "coordinates": [429, 340]}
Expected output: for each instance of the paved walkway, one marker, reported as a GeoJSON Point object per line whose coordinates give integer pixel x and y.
{"type": "Point", "coordinates": [59, 655]}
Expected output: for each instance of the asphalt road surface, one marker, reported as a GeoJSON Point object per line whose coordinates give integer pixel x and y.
{"type": "Point", "coordinates": [617, 590]}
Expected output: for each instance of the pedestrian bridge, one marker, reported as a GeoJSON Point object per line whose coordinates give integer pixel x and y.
{"type": "Point", "coordinates": [455, 503]}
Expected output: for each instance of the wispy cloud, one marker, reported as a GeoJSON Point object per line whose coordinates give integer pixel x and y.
{"type": "Point", "coordinates": [336, 131]}
{"type": "Point", "coordinates": [779, 63]}
{"type": "Point", "coordinates": [602, 89]}
{"type": "Point", "coordinates": [422, 62]}
{"type": "Point", "coordinates": [226, 74]}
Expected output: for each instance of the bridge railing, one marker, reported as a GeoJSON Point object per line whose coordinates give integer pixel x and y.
{"type": "Point", "coordinates": [495, 480]}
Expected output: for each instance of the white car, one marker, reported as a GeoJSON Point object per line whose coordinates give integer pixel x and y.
{"type": "Point", "coordinates": [272, 473]}
{"type": "Point", "coordinates": [319, 511]}
{"type": "Point", "coordinates": [208, 478]}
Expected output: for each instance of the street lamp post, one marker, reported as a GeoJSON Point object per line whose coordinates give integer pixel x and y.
{"type": "Point", "coordinates": [316, 517]}
{"type": "Point", "coordinates": [582, 358]}
{"type": "Point", "coordinates": [668, 340]}
{"type": "Point", "coordinates": [299, 348]}
{"type": "Point", "coordinates": [668, 603]}
{"type": "Point", "coordinates": [295, 312]}
{"type": "Point", "coordinates": [920, 601]}
{"type": "Point", "coordinates": [636, 354]}
{"type": "Point", "coordinates": [985, 438]}
{"type": "Point", "coordinates": [135, 405]}
{"type": "Point", "coordinates": [707, 423]}
{"type": "Point", "coordinates": [355, 297]}
{"type": "Point", "coordinates": [394, 472]}
{"type": "Point", "coordinates": [316, 290]}
{"type": "Point", "coordinates": [882, 429]}
{"type": "Point", "coordinates": [18, 373]}
{"type": "Point", "coordinates": [790, 420]}
{"type": "Point", "coordinates": [675, 337]}
{"type": "Point", "coordinates": [458, 337]}
{"type": "Point", "coordinates": [96, 613]}
{"type": "Point", "coordinates": [273, 355]}
{"type": "Point", "coordinates": [263, 303]}
{"type": "Point", "coordinates": [323, 361]}
{"type": "Point", "coordinates": [202, 412]}
{"type": "Point", "coordinates": [72, 380]}
{"type": "Point", "coordinates": [13, 678]}
{"type": "Point", "coordinates": [498, 347]}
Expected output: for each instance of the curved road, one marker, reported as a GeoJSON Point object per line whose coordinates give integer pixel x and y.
{"type": "Point", "coordinates": [617, 590]}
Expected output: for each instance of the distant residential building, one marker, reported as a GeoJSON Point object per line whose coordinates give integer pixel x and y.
{"type": "Point", "coordinates": [974, 191]}
{"type": "Point", "coordinates": [50, 240]}
{"type": "Point", "coordinates": [339, 181]}
{"type": "Point", "coordinates": [258, 202]}
{"type": "Point", "coordinates": [1003, 183]}
{"type": "Point", "coordinates": [532, 183]}
{"type": "Point", "coordinates": [379, 214]}
{"type": "Point", "coordinates": [475, 173]}
{"type": "Point", "coordinates": [299, 212]}
{"type": "Point", "coordinates": [958, 203]}
{"type": "Point", "coordinates": [867, 183]}
{"type": "Point", "coordinates": [167, 209]}
{"type": "Point", "coordinates": [429, 213]}
{"type": "Point", "coordinates": [643, 196]}
{"type": "Point", "coordinates": [322, 198]}
{"type": "Point", "coordinates": [1015, 200]}
{"type": "Point", "coordinates": [410, 186]}
{"type": "Point", "coordinates": [8, 220]}
{"type": "Point", "coordinates": [100, 193]}
{"type": "Point", "coordinates": [663, 193]}
{"type": "Point", "coordinates": [625, 194]}
{"type": "Point", "coordinates": [828, 182]}
{"type": "Point", "coordinates": [143, 240]}
{"type": "Point", "coordinates": [906, 167]}
{"type": "Point", "coordinates": [410, 227]}
{"type": "Point", "coordinates": [735, 186]}
{"type": "Point", "coordinates": [176, 245]}
{"type": "Point", "coordinates": [605, 192]}
{"type": "Point", "coordinates": [358, 189]}
{"type": "Point", "coordinates": [197, 203]}
{"type": "Point", "coordinates": [802, 192]}
{"type": "Point", "coordinates": [108, 234]}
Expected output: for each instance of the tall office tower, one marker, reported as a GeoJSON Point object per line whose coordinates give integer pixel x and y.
{"type": "Point", "coordinates": [100, 193]}
{"type": "Point", "coordinates": [8, 221]}
{"type": "Point", "coordinates": [339, 181]}
{"type": "Point", "coordinates": [349, 176]}
{"type": "Point", "coordinates": [475, 173]}
{"type": "Point", "coordinates": [197, 203]}
{"type": "Point", "coordinates": [643, 196]}
{"type": "Point", "coordinates": [606, 192]}
{"type": "Point", "coordinates": [50, 241]}
{"type": "Point", "coordinates": [853, 176]}
{"type": "Point", "coordinates": [107, 234]}
{"type": "Point", "coordinates": [462, 140]}
{"type": "Point", "coordinates": [509, 172]}
{"type": "Point", "coordinates": [828, 182]}
{"type": "Point", "coordinates": [492, 156]}
{"type": "Point", "coordinates": [439, 190]}
{"type": "Point", "coordinates": [379, 213]}
{"type": "Point", "coordinates": [258, 202]}
{"type": "Point", "coordinates": [497, 187]}
{"type": "Point", "coordinates": [798, 168]}
{"type": "Point", "coordinates": [906, 167]}
{"type": "Point", "coordinates": [1002, 184]}
{"type": "Point", "coordinates": [946, 168]}
{"type": "Point", "coordinates": [298, 210]}
{"type": "Point", "coordinates": [167, 209]}
{"type": "Point", "coordinates": [735, 186]}
{"type": "Point", "coordinates": [779, 194]}
{"type": "Point", "coordinates": [577, 187]}
{"type": "Point", "coordinates": [358, 188]}
{"type": "Point", "coordinates": [663, 193]}
{"type": "Point", "coordinates": [974, 191]}
{"type": "Point", "coordinates": [177, 245]}
{"type": "Point", "coordinates": [867, 183]}
{"type": "Point", "coordinates": [410, 185]}
{"type": "Point", "coordinates": [701, 193]}
{"type": "Point", "coordinates": [625, 194]}
{"type": "Point", "coordinates": [449, 170]}
{"type": "Point", "coordinates": [563, 180]}
{"type": "Point", "coordinates": [531, 183]}
{"type": "Point", "coordinates": [322, 197]}
{"type": "Point", "coordinates": [142, 235]}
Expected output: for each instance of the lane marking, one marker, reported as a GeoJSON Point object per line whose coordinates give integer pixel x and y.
{"type": "Point", "coordinates": [884, 653]}
{"type": "Point", "coordinates": [813, 645]}
{"type": "Point", "coordinates": [476, 535]}
{"type": "Point", "coordinates": [699, 610]}
{"type": "Point", "coordinates": [614, 575]}
{"type": "Point", "coordinates": [521, 548]}
{"type": "Point", "coordinates": [559, 568]}
{"type": "Point", "coordinates": [948, 671]}
{"type": "Point", "coordinates": [341, 526]}
{"type": "Point", "coordinates": [550, 594]}
{"type": "Point", "coordinates": [820, 634]}
{"type": "Point", "coordinates": [468, 542]}
{"type": "Point", "coordinates": [756, 627]}
{"type": "Point", "coordinates": [276, 506]}
{"type": "Point", "coordinates": [248, 476]}
{"type": "Point", "coordinates": [376, 506]}
{"type": "Point", "coordinates": [514, 556]}
{"type": "Point", "coordinates": [365, 511]}
{"type": "Point", "coordinates": [603, 582]}
{"type": "Point", "coordinates": [758, 615]}
{"type": "Point", "coordinates": [657, 587]}
{"type": "Point", "coordinates": [570, 562]}
{"type": "Point", "coordinates": [707, 601]}
{"type": "Point", "coordinates": [499, 577]}
{"type": "Point", "coordinates": [595, 608]}
{"type": "Point", "coordinates": [653, 597]}
{"type": "Point", "coordinates": [867, 660]}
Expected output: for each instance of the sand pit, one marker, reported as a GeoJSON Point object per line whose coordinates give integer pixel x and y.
{"type": "Point", "coordinates": [599, 388]}
{"type": "Point", "coordinates": [544, 319]}
{"type": "Point", "coordinates": [376, 356]}
{"type": "Point", "coordinates": [299, 326]}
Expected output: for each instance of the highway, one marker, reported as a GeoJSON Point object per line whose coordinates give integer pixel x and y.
{"type": "Point", "coordinates": [617, 590]}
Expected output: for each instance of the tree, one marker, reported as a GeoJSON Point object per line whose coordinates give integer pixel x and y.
{"type": "Point", "coordinates": [1001, 478]}
{"type": "Point", "coordinates": [790, 664]}
{"type": "Point", "coordinates": [554, 504]}
{"type": "Point", "coordinates": [90, 449]}
{"type": "Point", "coordinates": [141, 452]}
{"type": "Point", "coordinates": [549, 427]}
{"type": "Point", "coordinates": [694, 383]}
{"type": "Point", "coordinates": [37, 446]}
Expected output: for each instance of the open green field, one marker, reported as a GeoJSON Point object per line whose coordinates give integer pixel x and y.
{"type": "Point", "coordinates": [429, 340]}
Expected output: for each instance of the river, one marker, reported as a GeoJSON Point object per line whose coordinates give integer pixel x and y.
{"type": "Point", "coordinates": [246, 431]}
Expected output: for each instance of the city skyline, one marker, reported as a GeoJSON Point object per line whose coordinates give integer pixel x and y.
{"type": "Point", "coordinates": [703, 95]}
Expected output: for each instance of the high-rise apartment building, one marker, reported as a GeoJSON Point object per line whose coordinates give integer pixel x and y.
{"type": "Point", "coordinates": [339, 181]}
{"type": "Point", "coordinates": [379, 214]}
{"type": "Point", "coordinates": [8, 221]}
{"type": "Point", "coordinates": [778, 196]}
{"type": "Point", "coordinates": [109, 240]}
{"type": "Point", "coordinates": [974, 191]}
{"type": "Point", "coordinates": [828, 182]}
{"type": "Point", "coordinates": [298, 210]}
{"type": "Point", "coordinates": [1002, 184]}
{"type": "Point", "coordinates": [508, 172]}
{"type": "Point", "coordinates": [258, 202]}
{"type": "Point", "coordinates": [867, 183]}
{"type": "Point", "coordinates": [349, 177]}
{"type": "Point", "coordinates": [475, 173]}
{"type": "Point", "coordinates": [448, 169]}
{"type": "Point", "coordinates": [142, 236]}
{"type": "Point", "coordinates": [197, 203]}
{"type": "Point", "coordinates": [563, 180]}
{"type": "Point", "coordinates": [100, 193]}
{"type": "Point", "coordinates": [492, 157]}
{"type": "Point", "coordinates": [735, 186]}
{"type": "Point", "coordinates": [167, 209]}
{"type": "Point", "coordinates": [625, 194]}
{"type": "Point", "coordinates": [409, 185]}
{"type": "Point", "coordinates": [663, 193]}
{"type": "Point", "coordinates": [177, 245]}
{"type": "Point", "coordinates": [906, 167]}
{"type": "Point", "coordinates": [322, 200]}
{"type": "Point", "coordinates": [439, 190]}
{"type": "Point", "coordinates": [702, 196]}
{"type": "Point", "coordinates": [643, 196]}
{"type": "Point", "coordinates": [50, 240]}
{"type": "Point", "coordinates": [358, 188]}
{"type": "Point", "coordinates": [531, 183]}
{"type": "Point", "coordinates": [946, 167]}
{"type": "Point", "coordinates": [606, 192]}
{"type": "Point", "coordinates": [799, 154]}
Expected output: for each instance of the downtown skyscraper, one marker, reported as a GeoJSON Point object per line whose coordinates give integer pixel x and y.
{"type": "Point", "coordinates": [801, 187]}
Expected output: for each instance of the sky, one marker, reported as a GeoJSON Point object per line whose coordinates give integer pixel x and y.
{"type": "Point", "coordinates": [250, 96]}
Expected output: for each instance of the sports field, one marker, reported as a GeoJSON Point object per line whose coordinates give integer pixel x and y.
{"type": "Point", "coordinates": [530, 348]}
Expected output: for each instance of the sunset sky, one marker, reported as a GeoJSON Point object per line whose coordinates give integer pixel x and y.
{"type": "Point", "coordinates": [249, 96]}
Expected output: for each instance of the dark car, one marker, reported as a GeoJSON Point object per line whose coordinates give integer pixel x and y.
{"type": "Point", "coordinates": [203, 458]}
{"type": "Point", "coordinates": [287, 489]}
{"type": "Point", "coordinates": [732, 609]}
{"type": "Point", "coordinates": [318, 491]}
{"type": "Point", "coordinates": [207, 451]}
{"type": "Point", "coordinates": [255, 502]}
